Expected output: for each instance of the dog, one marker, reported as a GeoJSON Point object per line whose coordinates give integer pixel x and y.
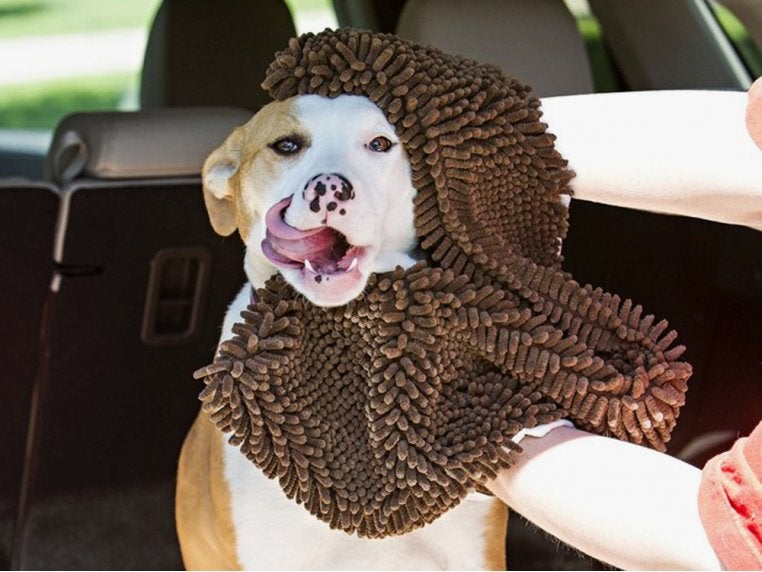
{"type": "Point", "coordinates": [319, 190]}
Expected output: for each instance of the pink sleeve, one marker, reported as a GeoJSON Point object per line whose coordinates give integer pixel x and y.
{"type": "Point", "coordinates": [730, 503]}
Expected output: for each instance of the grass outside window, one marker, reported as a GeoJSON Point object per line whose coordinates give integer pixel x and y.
{"type": "Point", "coordinates": [42, 105]}
{"type": "Point", "coordinates": [23, 18]}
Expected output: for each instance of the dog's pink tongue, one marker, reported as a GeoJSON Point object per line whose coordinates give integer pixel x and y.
{"type": "Point", "coordinates": [278, 227]}
{"type": "Point", "coordinates": [286, 245]}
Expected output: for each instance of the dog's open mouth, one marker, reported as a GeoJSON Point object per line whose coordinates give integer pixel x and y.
{"type": "Point", "coordinates": [322, 252]}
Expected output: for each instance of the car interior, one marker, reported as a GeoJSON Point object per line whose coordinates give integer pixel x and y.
{"type": "Point", "coordinates": [114, 286]}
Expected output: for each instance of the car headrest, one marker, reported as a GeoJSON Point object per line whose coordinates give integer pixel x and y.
{"type": "Point", "coordinates": [537, 41]}
{"type": "Point", "coordinates": [140, 144]}
{"type": "Point", "coordinates": [212, 53]}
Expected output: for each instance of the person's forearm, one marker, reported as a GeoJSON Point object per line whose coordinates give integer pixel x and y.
{"type": "Point", "coordinates": [623, 504]}
{"type": "Point", "coordinates": [676, 152]}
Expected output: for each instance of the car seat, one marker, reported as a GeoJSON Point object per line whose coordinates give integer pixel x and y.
{"type": "Point", "coordinates": [534, 40]}
{"type": "Point", "coordinates": [28, 212]}
{"type": "Point", "coordinates": [141, 286]}
{"type": "Point", "coordinates": [212, 53]}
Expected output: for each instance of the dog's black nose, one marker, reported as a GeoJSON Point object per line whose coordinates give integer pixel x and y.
{"type": "Point", "coordinates": [327, 190]}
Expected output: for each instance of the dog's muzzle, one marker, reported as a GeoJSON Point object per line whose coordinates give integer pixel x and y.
{"type": "Point", "coordinates": [321, 250]}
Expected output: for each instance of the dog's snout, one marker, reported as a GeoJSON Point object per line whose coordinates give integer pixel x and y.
{"type": "Point", "coordinates": [328, 190]}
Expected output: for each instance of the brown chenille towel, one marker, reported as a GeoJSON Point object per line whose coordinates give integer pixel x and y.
{"type": "Point", "coordinates": [381, 415]}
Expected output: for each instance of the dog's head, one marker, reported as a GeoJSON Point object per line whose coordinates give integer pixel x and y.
{"type": "Point", "coordinates": [320, 190]}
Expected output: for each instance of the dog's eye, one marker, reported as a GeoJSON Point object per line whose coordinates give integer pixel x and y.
{"type": "Point", "coordinates": [287, 145]}
{"type": "Point", "coordinates": [380, 144]}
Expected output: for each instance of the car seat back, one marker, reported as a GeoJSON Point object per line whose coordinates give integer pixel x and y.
{"type": "Point", "coordinates": [27, 219]}
{"type": "Point", "coordinates": [212, 53]}
{"type": "Point", "coordinates": [141, 287]}
{"type": "Point", "coordinates": [536, 41]}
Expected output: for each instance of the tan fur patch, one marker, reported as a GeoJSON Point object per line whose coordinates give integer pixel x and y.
{"type": "Point", "coordinates": [496, 530]}
{"type": "Point", "coordinates": [257, 165]}
{"type": "Point", "coordinates": [204, 523]}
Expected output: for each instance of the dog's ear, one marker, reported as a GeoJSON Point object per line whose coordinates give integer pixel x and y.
{"type": "Point", "coordinates": [220, 180]}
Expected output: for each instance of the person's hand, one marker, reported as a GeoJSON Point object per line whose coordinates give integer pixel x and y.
{"type": "Point", "coordinates": [754, 112]}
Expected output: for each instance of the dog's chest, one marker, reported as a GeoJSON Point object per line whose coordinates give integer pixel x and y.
{"type": "Point", "coordinates": [273, 532]}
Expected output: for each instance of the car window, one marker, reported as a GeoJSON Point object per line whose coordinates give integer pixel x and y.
{"type": "Point", "coordinates": [62, 56]}
{"type": "Point", "coordinates": [739, 34]}
{"type": "Point", "coordinates": [312, 15]}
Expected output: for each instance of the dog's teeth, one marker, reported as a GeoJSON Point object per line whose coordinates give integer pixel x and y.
{"type": "Point", "coordinates": [353, 264]}
{"type": "Point", "coordinates": [308, 266]}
